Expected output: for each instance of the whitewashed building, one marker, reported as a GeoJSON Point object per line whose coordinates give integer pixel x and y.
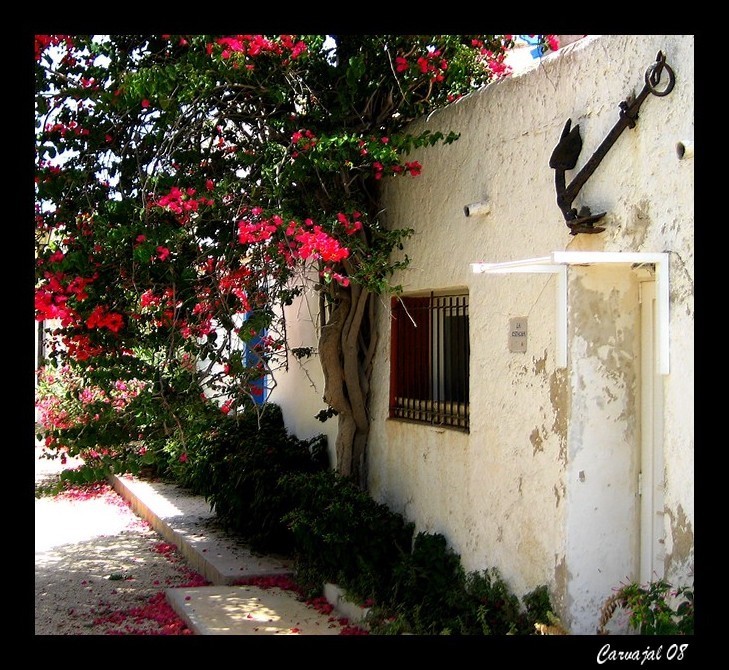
{"type": "Point", "coordinates": [561, 448]}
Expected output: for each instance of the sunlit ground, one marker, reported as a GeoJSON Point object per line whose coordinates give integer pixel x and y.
{"type": "Point", "coordinates": [59, 521]}
{"type": "Point", "coordinates": [100, 569]}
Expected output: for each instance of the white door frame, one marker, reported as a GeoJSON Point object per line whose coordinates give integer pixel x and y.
{"type": "Point", "coordinates": [651, 477]}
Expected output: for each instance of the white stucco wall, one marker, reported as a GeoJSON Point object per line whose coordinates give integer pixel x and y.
{"type": "Point", "coordinates": [543, 487]}
{"type": "Point", "coordinates": [299, 392]}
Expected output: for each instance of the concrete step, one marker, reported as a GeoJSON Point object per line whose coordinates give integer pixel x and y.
{"type": "Point", "coordinates": [187, 521]}
{"type": "Point", "coordinates": [226, 607]}
{"type": "Point", "coordinates": [248, 610]}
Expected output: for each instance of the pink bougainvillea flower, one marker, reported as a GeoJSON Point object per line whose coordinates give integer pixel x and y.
{"type": "Point", "coordinates": [101, 317]}
{"type": "Point", "coordinates": [414, 168]}
{"type": "Point", "coordinates": [353, 630]}
{"type": "Point", "coordinates": [164, 548]}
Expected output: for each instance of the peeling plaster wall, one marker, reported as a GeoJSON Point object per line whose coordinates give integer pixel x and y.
{"type": "Point", "coordinates": [602, 529]}
{"type": "Point", "coordinates": [543, 486]}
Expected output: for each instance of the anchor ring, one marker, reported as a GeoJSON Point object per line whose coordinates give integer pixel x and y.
{"type": "Point", "coordinates": [653, 76]}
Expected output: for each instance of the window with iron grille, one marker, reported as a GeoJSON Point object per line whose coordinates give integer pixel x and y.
{"type": "Point", "coordinates": [429, 359]}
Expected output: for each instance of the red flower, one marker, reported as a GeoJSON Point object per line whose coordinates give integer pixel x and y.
{"type": "Point", "coordinates": [414, 168]}
{"type": "Point", "coordinates": [101, 317]}
{"type": "Point", "coordinates": [552, 42]}
{"type": "Point", "coordinates": [183, 458]}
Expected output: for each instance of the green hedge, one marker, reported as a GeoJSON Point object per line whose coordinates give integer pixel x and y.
{"type": "Point", "coordinates": [237, 466]}
{"type": "Point", "coordinates": [343, 536]}
{"type": "Point", "coordinates": [418, 584]}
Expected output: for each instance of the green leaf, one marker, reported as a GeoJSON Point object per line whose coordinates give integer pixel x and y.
{"type": "Point", "coordinates": [355, 71]}
{"type": "Point", "coordinates": [144, 252]}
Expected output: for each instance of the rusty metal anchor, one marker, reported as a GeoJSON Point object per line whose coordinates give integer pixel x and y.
{"type": "Point", "coordinates": [565, 154]}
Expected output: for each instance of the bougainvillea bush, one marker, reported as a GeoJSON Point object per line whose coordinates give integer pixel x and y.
{"type": "Point", "coordinates": [189, 187]}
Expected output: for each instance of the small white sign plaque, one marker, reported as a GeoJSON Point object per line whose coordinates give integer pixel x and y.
{"type": "Point", "coordinates": [518, 334]}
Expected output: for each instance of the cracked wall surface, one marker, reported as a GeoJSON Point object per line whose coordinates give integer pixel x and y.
{"type": "Point", "coordinates": [543, 487]}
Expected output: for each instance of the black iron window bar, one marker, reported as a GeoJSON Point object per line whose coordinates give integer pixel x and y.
{"type": "Point", "coordinates": [433, 376]}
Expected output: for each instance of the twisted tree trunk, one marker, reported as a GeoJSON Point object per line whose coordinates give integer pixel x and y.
{"type": "Point", "coordinates": [346, 347]}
